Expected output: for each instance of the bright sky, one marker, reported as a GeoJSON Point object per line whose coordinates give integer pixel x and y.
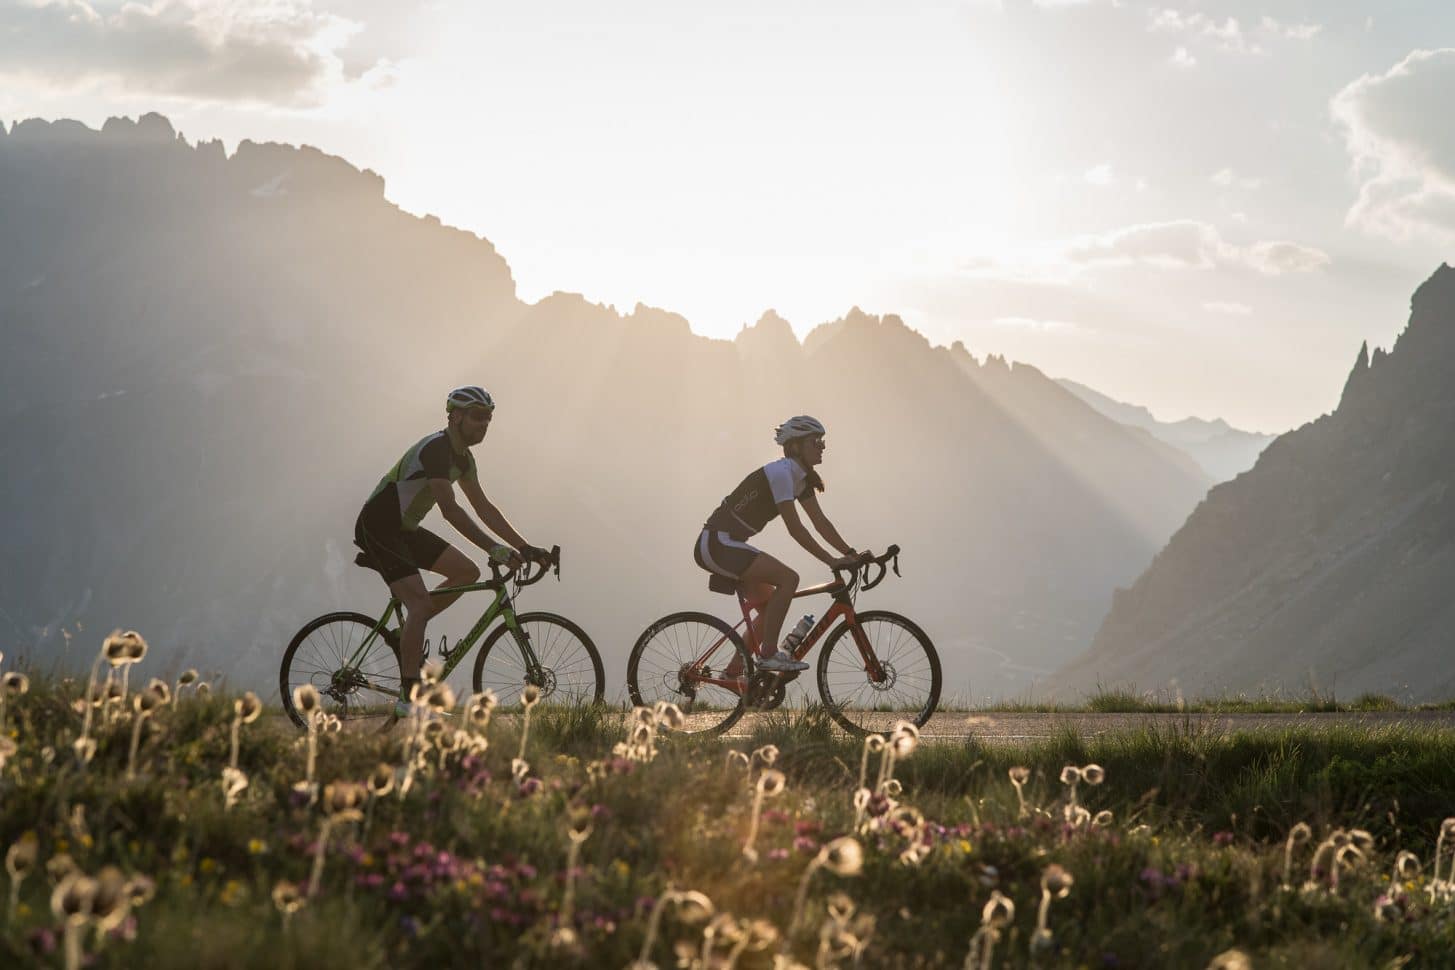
{"type": "Point", "coordinates": [1196, 205]}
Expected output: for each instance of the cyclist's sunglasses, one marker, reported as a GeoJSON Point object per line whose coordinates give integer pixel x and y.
{"type": "Point", "coordinates": [479, 415]}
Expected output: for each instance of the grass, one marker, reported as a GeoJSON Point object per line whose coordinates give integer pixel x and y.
{"type": "Point", "coordinates": [1128, 700]}
{"type": "Point", "coordinates": [470, 866]}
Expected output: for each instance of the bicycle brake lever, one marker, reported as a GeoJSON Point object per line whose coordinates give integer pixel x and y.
{"type": "Point", "coordinates": [896, 565]}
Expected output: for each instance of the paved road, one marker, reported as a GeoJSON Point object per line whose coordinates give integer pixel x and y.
{"type": "Point", "coordinates": [998, 728]}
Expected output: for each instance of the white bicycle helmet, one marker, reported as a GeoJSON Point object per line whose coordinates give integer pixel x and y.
{"type": "Point", "coordinates": [801, 426]}
{"type": "Point", "coordinates": [469, 396]}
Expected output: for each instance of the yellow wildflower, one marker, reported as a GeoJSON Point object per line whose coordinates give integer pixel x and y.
{"type": "Point", "coordinates": [257, 847]}
{"type": "Point", "coordinates": [207, 865]}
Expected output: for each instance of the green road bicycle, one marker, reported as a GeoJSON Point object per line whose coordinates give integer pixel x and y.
{"type": "Point", "coordinates": [353, 660]}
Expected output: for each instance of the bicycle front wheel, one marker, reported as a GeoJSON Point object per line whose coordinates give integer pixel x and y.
{"type": "Point", "coordinates": [569, 667]}
{"type": "Point", "coordinates": [690, 659]}
{"type": "Point", "coordinates": [907, 685]}
{"type": "Point", "coordinates": [350, 683]}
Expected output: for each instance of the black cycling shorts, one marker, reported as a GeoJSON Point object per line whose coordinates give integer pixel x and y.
{"type": "Point", "coordinates": [394, 551]}
{"type": "Point", "coordinates": [720, 553]}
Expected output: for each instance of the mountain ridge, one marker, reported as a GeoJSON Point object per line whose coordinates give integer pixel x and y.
{"type": "Point", "coordinates": [1326, 564]}
{"type": "Point", "coordinates": [208, 380]}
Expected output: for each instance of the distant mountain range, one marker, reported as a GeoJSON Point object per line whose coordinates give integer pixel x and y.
{"type": "Point", "coordinates": [1329, 565]}
{"type": "Point", "coordinates": [209, 360]}
{"type": "Point", "coordinates": [1223, 451]}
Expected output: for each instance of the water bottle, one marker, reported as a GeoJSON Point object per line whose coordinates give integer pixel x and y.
{"type": "Point", "coordinates": [796, 635]}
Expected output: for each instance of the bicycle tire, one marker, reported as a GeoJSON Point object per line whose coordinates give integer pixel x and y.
{"type": "Point", "coordinates": [665, 654]}
{"type": "Point", "coordinates": [506, 674]}
{"type": "Point", "coordinates": [843, 681]}
{"type": "Point", "coordinates": [331, 676]}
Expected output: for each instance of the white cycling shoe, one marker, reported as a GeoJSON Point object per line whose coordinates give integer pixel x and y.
{"type": "Point", "coordinates": [782, 661]}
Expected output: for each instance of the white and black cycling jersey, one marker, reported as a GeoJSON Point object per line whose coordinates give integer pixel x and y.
{"type": "Point", "coordinates": [754, 503]}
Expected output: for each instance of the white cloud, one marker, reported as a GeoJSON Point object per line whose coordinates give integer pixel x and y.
{"type": "Point", "coordinates": [1180, 245]}
{"type": "Point", "coordinates": [1039, 326]}
{"type": "Point", "coordinates": [280, 51]}
{"type": "Point", "coordinates": [1397, 131]}
{"type": "Point", "coordinates": [1228, 35]}
{"type": "Point", "coordinates": [1229, 309]}
{"type": "Point", "coordinates": [1187, 244]}
{"type": "Point", "coordinates": [1291, 31]}
{"type": "Point", "coordinates": [1099, 175]}
{"type": "Point", "coordinates": [1181, 58]}
{"type": "Point", "coordinates": [1227, 178]}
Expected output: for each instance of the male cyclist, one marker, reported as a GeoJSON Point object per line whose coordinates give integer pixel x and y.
{"type": "Point", "coordinates": [765, 494]}
{"type": "Point", "coordinates": [395, 544]}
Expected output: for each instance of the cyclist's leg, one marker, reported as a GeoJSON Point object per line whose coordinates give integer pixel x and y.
{"type": "Point", "coordinates": [768, 571]}
{"type": "Point", "coordinates": [756, 595]}
{"type": "Point", "coordinates": [411, 592]}
{"type": "Point", "coordinates": [457, 569]}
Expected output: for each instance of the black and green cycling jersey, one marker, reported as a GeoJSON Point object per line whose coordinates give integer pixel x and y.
{"type": "Point", "coordinates": [405, 487]}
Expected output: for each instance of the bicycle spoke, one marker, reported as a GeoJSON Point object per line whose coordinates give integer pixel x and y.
{"type": "Point", "coordinates": [910, 681]}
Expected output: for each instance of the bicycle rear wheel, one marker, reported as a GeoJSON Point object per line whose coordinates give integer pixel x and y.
{"type": "Point", "coordinates": [909, 688]}
{"type": "Point", "coordinates": [320, 655]}
{"type": "Point", "coordinates": [677, 659]}
{"type": "Point", "coordinates": [570, 667]}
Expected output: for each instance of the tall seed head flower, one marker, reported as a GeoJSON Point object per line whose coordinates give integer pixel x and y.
{"type": "Point", "coordinates": [736, 759]}
{"type": "Point", "coordinates": [999, 911]}
{"type": "Point", "coordinates": [73, 897]}
{"type": "Point", "coordinates": [670, 716]}
{"type": "Point", "coordinates": [771, 782]}
{"type": "Point", "coordinates": [342, 801]}
{"type": "Point", "coordinates": [477, 712]}
{"type": "Point", "coordinates": [1093, 774]}
{"type": "Point", "coordinates": [14, 683]}
{"type": "Point", "coordinates": [287, 897]}
{"type": "Point", "coordinates": [694, 908]}
{"type": "Point", "coordinates": [1406, 865]}
{"type": "Point", "coordinates": [440, 697]}
{"type": "Point", "coordinates": [1019, 774]}
{"type": "Point", "coordinates": [59, 866]}
{"type": "Point", "coordinates": [148, 700]}
{"type": "Point", "coordinates": [843, 856]}
{"type": "Point", "coordinates": [162, 689]}
{"type": "Point", "coordinates": [1056, 881]}
{"type": "Point", "coordinates": [140, 889]}
{"type": "Point", "coordinates": [234, 782]}
{"type": "Point", "coordinates": [21, 857]}
{"type": "Point", "coordinates": [306, 700]}
{"type": "Point", "coordinates": [1233, 959]}
{"type": "Point", "coordinates": [110, 905]}
{"type": "Point", "coordinates": [1070, 775]}
{"type": "Point", "coordinates": [187, 678]}
{"type": "Point", "coordinates": [530, 695]}
{"type": "Point", "coordinates": [767, 754]}
{"type": "Point", "coordinates": [381, 780]}
{"type": "Point", "coordinates": [116, 648]}
{"type": "Point", "coordinates": [430, 674]}
{"type": "Point", "coordinates": [1300, 833]}
{"type": "Point", "coordinates": [136, 647]}
{"type": "Point", "coordinates": [903, 739]}
{"type": "Point", "coordinates": [248, 707]}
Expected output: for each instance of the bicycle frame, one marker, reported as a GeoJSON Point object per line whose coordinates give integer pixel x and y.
{"type": "Point", "coordinates": [501, 606]}
{"type": "Point", "coordinates": [842, 608]}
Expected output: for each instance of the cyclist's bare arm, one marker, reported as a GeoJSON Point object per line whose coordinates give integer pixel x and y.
{"type": "Point", "coordinates": [805, 538]}
{"type": "Point", "coordinates": [492, 516]}
{"type": "Point", "coordinates": [824, 526]}
{"type": "Point", "coordinates": [444, 496]}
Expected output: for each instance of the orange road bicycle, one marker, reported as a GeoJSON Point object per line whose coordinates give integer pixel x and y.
{"type": "Point", "coordinates": [876, 667]}
{"type": "Point", "coordinates": [353, 659]}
